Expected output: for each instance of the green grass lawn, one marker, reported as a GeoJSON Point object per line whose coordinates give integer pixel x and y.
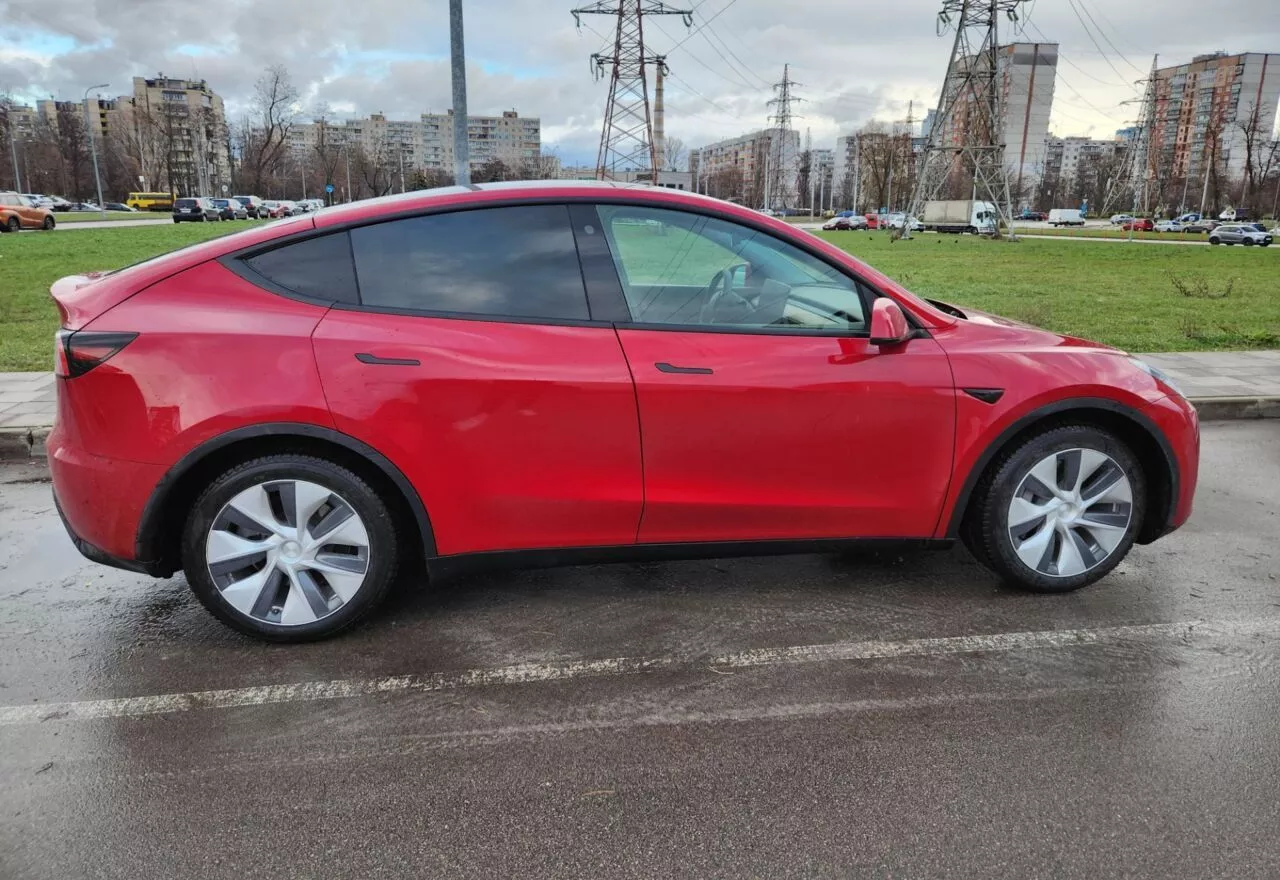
{"type": "Point", "coordinates": [87, 216]}
{"type": "Point", "coordinates": [31, 261]}
{"type": "Point", "coordinates": [1120, 295]}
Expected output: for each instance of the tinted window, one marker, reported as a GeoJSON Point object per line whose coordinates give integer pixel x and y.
{"type": "Point", "coordinates": [185, 203]}
{"type": "Point", "coordinates": [515, 262]}
{"type": "Point", "coordinates": [691, 270]}
{"type": "Point", "coordinates": [317, 267]}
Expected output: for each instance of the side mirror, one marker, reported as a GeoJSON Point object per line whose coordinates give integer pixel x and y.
{"type": "Point", "coordinates": [888, 324]}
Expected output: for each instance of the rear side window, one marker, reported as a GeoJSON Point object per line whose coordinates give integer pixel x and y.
{"type": "Point", "coordinates": [314, 267]}
{"type": "Point", "coordinates": [184, 203]}
{"type": "Point", "coordinates": [518, 262]}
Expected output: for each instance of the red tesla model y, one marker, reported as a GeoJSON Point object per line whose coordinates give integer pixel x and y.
{"type": "Point", "coordinates": [553, 373]}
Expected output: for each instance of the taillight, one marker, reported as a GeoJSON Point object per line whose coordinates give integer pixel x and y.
{"type": "Point", "coordinates": [79, 351]}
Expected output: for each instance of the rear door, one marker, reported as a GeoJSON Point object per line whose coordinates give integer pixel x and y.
{"type": "Point", "coordinates": [765, 411]}
{"type": "Point", "coordinates": [470, 358]}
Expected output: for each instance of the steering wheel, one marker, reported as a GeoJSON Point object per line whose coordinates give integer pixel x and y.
{"type": "Point", "coordinates": [721, 290]}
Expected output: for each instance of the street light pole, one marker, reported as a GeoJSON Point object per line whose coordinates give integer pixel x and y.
{"type": "Point", "coordinates": [458, 56]}
{"type": "Point", "coordinates": [93, 145]}
{"type": "Point", "coordinates": [13, 151]}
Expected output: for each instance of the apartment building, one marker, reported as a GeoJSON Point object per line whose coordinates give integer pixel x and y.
{"type": "Point", "coordinates": [1065, 156]}
{"type": "Point", "coordinates": [427, 142]}
{"type": "Point", "coordinates": [1202, 109]}
{"type": "Point", "coordinates": [741, 164]}
{"type": "Point", "coordinates": [1025, 75]}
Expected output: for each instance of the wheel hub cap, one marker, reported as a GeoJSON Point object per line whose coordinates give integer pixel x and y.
{"type": "Point", "coordinates": [1070, 512]}
{"type": "Point", "coordinates": [287, 552]}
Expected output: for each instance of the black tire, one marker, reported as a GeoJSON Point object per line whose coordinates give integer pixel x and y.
{"type": "Point", "coordinates": [14, 225]}
{"type": "Point", "coordinates": [985, 531]}
{"type": "Point", "coordinates": [1248, 242]}
{"type": "Point", "coordinates": [48, 223]}
{"type": "Point", "coordinates": [383, 544]}
{"type": "Point", "coordinates": [1213, 239]}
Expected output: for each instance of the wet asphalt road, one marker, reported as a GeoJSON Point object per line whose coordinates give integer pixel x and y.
{"type": "Point", "coordinates": [914, 740]}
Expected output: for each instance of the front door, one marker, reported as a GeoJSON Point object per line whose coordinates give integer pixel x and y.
{"type": "Point", "coordinates": [765, 411]}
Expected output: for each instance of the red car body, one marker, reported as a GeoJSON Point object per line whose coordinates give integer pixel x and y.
{"type": "Point", "coordinates": [1142, 224]}
{"type": "Point", "coordinates": [555, 437]}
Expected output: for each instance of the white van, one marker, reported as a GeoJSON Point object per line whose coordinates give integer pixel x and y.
{"type": "Point", "coordinates": [1065, 217]}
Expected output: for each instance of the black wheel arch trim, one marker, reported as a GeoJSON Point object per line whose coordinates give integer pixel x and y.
{"type": "Point", "coordinates": [1059, 408]}
{"type": "Point", "coordinates": [152, 525]}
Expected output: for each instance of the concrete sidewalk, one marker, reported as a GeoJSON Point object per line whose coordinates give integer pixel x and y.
{"type": "Point", "coordinates": [1222, 384]}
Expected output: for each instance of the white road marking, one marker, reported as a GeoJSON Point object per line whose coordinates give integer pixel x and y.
{"type": "Point", "coordinates": [527, 673]}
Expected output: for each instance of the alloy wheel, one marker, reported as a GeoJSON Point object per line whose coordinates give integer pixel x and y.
{"type": "Point", "coordinates": [1070, 512]}
{"type": "Point", "coordinates": [287, 552]}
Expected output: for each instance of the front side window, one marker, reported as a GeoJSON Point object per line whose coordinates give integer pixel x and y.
{"type": "Point", "coordinates": [518, 262]}
{"type": "Point", "coordinates": [685, 269]}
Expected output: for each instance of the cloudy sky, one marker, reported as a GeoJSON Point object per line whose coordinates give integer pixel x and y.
{"type": "Point", "coordinates": [857, 59]}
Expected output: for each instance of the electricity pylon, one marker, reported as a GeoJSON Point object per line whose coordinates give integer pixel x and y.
{"type": "Point", "coordinates": [626, 141]}
{"type": "Point", "coordinates": [966, 143]}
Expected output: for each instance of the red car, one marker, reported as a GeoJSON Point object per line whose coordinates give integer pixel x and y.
{"type": "Point", "coordinates": [1142, 224]}
{"type": "Point", "coordinates": [554, 373]}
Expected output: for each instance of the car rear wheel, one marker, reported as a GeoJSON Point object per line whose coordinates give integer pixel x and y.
{"type": "Point", "coordinates": [1059, 511]}
{"type": "Point", "coordinates": [289, 548]}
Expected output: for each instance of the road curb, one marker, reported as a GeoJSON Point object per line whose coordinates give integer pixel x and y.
{"type": "Point", "coordinates": [1227, 408]}
{"type": "Point", "coordinates": [19, 443]}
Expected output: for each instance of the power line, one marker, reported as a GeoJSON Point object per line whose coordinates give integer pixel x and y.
{"type": "Point", "coordinates": [1092, 39]}
{"type": "Point", "coordinates": [692, 55]}
{"type": "Point", "coordinates": [1085, 7]}
{"type": "Point", "coordinates": [711, 32]}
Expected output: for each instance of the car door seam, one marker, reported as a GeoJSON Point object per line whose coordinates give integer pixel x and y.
{"type": "Point", "coordinates": [635, 396]}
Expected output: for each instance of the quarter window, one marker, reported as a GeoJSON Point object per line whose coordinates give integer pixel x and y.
{"type": "Point", "coordinates": [518, 262]}
{"type": "Point", "coordinates": [687, 269]}
{"type": "Point", "coordinates": [314, 267]}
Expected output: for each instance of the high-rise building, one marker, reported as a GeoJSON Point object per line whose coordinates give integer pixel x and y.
{"type": "Point", "coordinates": [427, 142]}
{"type": "Point", "coordinates": [1025, 75]}
{"type": "Point", "coordinates": [735, 168]}
{"type": "Point", "coordinates": [183, 127]}
{"type": "Point", "coordinates": [1203, 108]}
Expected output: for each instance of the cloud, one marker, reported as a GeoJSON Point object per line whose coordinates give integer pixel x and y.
{"type": "Point", "coordinates": [856, 60]}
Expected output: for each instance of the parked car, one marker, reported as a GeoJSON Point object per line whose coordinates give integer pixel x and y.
{"type": "Point", "coordinates": [1066, 217]}
{"type": "Point", "coordinates": [38, 200]}
{"type": "Point", "coordinates": [1190, 217]}
{"type": "Point", "coordinates": [1140, 224]}
{"type": "Point", "coordinates": [120, 206]}
{"type": "Point", "coordinates": [18, 212]}
{"type": "Point", "coordinates": [1230, 215]}
{"type": "Point", "coordinates": [1201, 226]}
{"type": "Point", "coordinates": [199, 210]}
{"type": "Point", "coordinates": [1029, 215]}
{"type": "Point", "coordinates": [291, 208]}
{"type": "Point", "coordinates": [1168, 226]}
{"type": "Point", "coordinates": [58, 203]}
{"type": "Point", "coordinates": [1239, 233]}
{"type": "Point", "coordinates": [897, 219]}
{"type": "Point", "coordinates": [272, 210]}
{"type": "Point", "coordinates": [1118, 219]}
{"type": "Point", "coordinates": [230, 209]}
{"type": "Point", "coordinates": [852, 221]}
{"type": "Point", "coordinates": [873, 220]}
{"type": "Point", "coordinates": [253, 205]}
{"type": "Point", "coordinates": [471, 418]}
{"type": "Point", "coordinates": [84, 207]}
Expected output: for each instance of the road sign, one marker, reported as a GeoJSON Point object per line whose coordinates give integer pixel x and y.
{"type": "Point", "coordinates": [328, 187]}
{"type": "Point", "coordinates": [225, 187]}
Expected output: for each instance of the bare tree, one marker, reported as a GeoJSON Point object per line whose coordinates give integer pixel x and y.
{"type": "Point", "coordinates": [675, 155]}
{"type": "Point", "coordinates": [274, 108]}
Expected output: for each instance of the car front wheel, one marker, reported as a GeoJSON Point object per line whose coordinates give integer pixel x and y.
{"type": "Point", "coordinates": [289, 548]}
{"type": "Point", "coordinates": [1059, 511]}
